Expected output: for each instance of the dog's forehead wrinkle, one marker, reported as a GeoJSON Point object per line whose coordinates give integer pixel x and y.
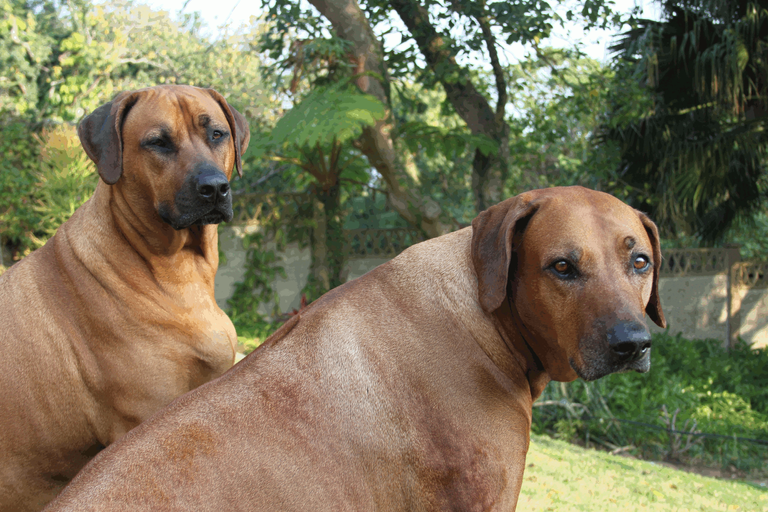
{"type": "Point", "coordinates": [568, 251]}
{"type": "Point", "coordinates": [203, 109]}
{"type": "Point", "coordinates": [159, 130]}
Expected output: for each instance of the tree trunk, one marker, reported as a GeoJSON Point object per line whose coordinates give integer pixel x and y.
{"type": "Point", "coordinates": [350, 23]}
{"type": "Point", "coordinates": [327, 241]}
{"type": "Point", "coordinates": [319, 280]}
{"type": "Point", "coordinates": [488, 171]}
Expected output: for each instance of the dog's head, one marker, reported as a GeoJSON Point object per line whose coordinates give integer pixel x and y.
{"type": "Point", "coordinates": [171, 148]}
{"type": "Point", "coordinates": [582, 269]}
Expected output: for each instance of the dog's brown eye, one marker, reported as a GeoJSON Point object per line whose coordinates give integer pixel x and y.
{"type": "Point", "coordinates": [641, 263]}
{"type": "Point", "coordinates": [562, 267]}
{"type": "Point", "coordinates": [216, 134]}
{"type": "Point", "coordinates": [161, 144]}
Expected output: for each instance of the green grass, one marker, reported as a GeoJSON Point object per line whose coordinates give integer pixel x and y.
{"type": "Point", "coordinates": [563, 477]}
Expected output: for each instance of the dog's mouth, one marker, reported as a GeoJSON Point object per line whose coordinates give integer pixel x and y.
{"type": "Point", "coordinates": [214, 217]}
{"type": "Point", "coordinates": [642, 365]}
{"type": "Point", "coordinates": [597, 368]}
{"type": "Point", "coordinates": [201, 217]}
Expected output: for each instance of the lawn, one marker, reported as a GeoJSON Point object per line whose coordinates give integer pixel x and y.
{"type": "Point", "coordinates": [563, 477]}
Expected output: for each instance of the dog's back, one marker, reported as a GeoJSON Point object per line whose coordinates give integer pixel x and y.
{"type": "Point", "coordinates": [354, 404]}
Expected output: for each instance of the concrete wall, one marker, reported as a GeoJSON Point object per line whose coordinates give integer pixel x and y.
{"type": "Point", "coordinates": [753, 315]}
{"type": "Point", "coordinates": [697, 306]}
{"type": "Point", "coordinates": [294, 260]}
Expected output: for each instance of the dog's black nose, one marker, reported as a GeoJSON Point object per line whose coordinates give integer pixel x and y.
{"type": "Point", "coordinates": [629, 341]}
{"type": "Point", "coordinates": [212, 186]}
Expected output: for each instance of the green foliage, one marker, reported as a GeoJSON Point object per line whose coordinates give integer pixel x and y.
{"type": "Point", "coordinates": [25, 48]}
{"type": "Point", "coordinates": [695, 153]}
{"type": "Point", "coordinates": [255, 293]}
{"type": "Point", "coordinates": [559, 101]}
{"type": "Point", "coordinates": [690, 380]}
{"type": "Point", "coordinates": [326, 115]}
{"type": "Point", "coordinates": [66, 178]}
{"type": "Point", "coordinates": [44, 178]}
{"type": "Point", "coordinates": [18, 165]}
{"type": "Point", "coordinates": [751, 234]}
{"type": "Point", "coordinates": [430, 141]}
{"type": "Point", "coordinates": [437, 147]}
{"type": "Point", "coordinates": [460, 27]}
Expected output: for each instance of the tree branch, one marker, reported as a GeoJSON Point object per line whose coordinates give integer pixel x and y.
{"type": "Point", "coordinates": [366, 185]}
{"type": "Point", "coordinates": [310, 167]}
{"type": "Point", "coordinates": [498, 72]}
{"type": "Point", "coordinates": [471, 106]}
{"type": "Point", "coordinates": [376, 143]}
{"type": "Point", "coordinates": [16, 39]}
{"type": "Point", "coordinates": [488, 171]}
{"type": "Point", "coordinates": [273, 172]}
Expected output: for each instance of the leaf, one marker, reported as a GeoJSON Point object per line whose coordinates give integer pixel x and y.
{"type": "Point", "coordinates": [433, 139]}
{"type": "Point", "coordinates": [338, 112]}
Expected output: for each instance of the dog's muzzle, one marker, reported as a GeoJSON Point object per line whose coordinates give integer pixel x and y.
{"type": "Point", "coordinates": [624, 346]}
{"type": "Point", "coordinates": [205, 198]}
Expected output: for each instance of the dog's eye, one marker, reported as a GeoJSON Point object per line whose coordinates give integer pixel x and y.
{"type": "Point", "coordinates": [563, 268]}
{"type": "Point", "coordinates": [157, 143]}
{"type": "Point", "coordinates": [641, 263]}
{"type": "Point", "coordinates": [217, 134]}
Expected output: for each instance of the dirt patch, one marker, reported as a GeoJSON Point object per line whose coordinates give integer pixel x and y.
{"type": "Point", "coordinates": [724, 474]}
{"type": "Point", "coordinates": [730, 473]}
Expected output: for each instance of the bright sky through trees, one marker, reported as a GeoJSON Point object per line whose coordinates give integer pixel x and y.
{"type": "Point", "coordinates": [237, 12]}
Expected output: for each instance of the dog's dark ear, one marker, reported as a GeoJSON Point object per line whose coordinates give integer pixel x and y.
{"type": "Point", "coordinates": [654, 304]}
{"type": "Point", "coordinates": [101, 135]}
{"type": "Point", "coordinates": [241, 134]}
{"type": "Point", "coordinates": [493, 245]}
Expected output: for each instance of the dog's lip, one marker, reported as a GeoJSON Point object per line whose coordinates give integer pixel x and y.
{"type": "Point", "coordinates": [642, 365]}
{"type": "Point", "coordinates": [604, 368]}
{"type": "Point", "coordinates": [214, 215]}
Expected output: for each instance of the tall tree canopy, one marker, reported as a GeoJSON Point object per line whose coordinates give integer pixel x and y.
{"type": "Point", "coordinates": [433, 51]}
{"type": "Point", "coordinates": [690, 114]}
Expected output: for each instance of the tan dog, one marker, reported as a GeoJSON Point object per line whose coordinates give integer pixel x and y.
{"type": "Point", "coordinates": [115, 316]}
{"type": "Point", "coordinates": [411, 387]}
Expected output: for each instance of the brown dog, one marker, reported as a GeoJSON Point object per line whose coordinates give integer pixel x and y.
{"type": "Point", "coordinates": [411, 387]}
{"type": "Point", "coordinates": [115, 316]}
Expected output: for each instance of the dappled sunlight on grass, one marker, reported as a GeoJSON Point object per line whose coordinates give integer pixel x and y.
{"type": "Point", "coordinates": [563, 477]}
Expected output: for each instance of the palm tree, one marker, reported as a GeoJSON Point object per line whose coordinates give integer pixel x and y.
{"type": "Point", "coordinates": [695, 155]}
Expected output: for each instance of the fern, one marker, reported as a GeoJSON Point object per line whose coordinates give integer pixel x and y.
{"type": "Point", "coordinates": [338, 112]}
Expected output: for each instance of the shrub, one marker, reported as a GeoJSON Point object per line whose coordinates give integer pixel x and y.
{"type": "Point", "coordinates": [66, 178]}
{"type": "Point", "coordinates": [44, 178]}
{"type": "Point", "coordinates": [694, 386]}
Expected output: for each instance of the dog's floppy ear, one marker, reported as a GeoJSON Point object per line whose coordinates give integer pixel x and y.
{"type": "Point", "coordinates": [654, 304]}
{"type": "Point", "coordinates": [241, 134]}
{"type": "Point", "coordinates": [101, 135]}
{"type": "Point", "coordinates": [493, 246]}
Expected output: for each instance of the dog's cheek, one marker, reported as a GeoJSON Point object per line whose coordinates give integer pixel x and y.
{"type": "Point", "coordinates": [591, 359]}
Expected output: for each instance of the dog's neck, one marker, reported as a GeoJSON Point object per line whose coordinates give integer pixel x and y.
{"type": "Point", "coordinates": [147, 233]}
{"type": "Point", "coordinates": [156, 245]}
{"type": "Point", "coordinates": [518, 340]}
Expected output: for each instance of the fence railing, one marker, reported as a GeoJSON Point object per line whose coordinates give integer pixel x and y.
{"type": "Point", "coordinates": [380, 242]}
{"type": "Point", "coordinates": [751, 274]}
{"type": "Point", "coordinates": [701, 262]}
